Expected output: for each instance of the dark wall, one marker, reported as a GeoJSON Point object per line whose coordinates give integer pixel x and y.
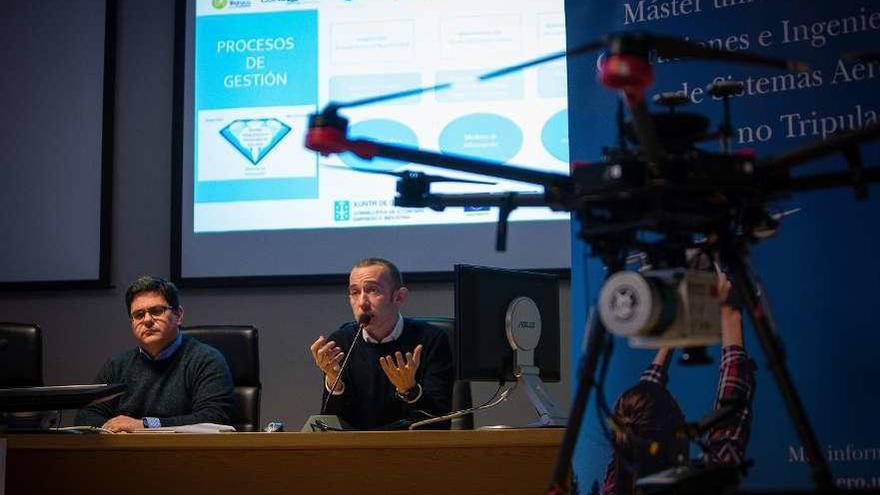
{"type": "Point", "coordinates": [83, 328]}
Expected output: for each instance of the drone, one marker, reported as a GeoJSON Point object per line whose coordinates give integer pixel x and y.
{"type": "Point", "coordinates": [655, 194]}
{"type": "Point", "coordinates": [662, 184]}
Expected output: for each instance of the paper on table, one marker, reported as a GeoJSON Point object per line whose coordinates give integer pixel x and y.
{"type": "Point", "coordinates": [196, 428]}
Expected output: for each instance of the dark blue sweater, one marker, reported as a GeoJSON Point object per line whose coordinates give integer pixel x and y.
{"type": "Point", "coordinates": [370, 400]}
{"type": "Point", "coordinates": [192, 386]}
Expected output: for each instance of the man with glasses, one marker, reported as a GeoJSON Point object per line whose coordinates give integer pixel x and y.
{"type": "Point", "coordinates": [171, 379]}
{"type": "Point", "coordinates": [399, 370]}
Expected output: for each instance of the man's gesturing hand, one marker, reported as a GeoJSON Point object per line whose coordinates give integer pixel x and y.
{"type": "Point", "coordinates": [401, 370]}
{"type": "Point", "coordinates": [327, 357]}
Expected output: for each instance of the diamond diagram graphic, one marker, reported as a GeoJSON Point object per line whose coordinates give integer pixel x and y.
{"type": "Point", "coordinates": [255, 138]}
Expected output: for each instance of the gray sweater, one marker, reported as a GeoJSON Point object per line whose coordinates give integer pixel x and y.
{"type": "Point", "coordinates": [192, 386]}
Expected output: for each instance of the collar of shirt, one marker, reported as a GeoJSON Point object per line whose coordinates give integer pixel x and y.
{"type": "Point", "coordinates": [398, 329]}
{"type": "Point", "coordinates": [166, 352]}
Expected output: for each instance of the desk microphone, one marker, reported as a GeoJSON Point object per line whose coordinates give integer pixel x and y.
{"type": "Point", "coordinates": [363, 321]}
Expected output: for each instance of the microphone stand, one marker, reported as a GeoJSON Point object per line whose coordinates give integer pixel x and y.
{"type": "Point", "coordinates": [363, 321]}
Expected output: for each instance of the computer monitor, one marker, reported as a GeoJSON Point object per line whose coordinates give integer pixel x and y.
{"type": "Point", "coordinates": [482, 298]}
{"type": "Point", "coordinates": [56, 397]}
{"type": "Point", "coordinates": [21, 355]}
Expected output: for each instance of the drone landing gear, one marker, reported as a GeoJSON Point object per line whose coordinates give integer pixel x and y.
{"type": "Point", "coordinates": [749, 289]}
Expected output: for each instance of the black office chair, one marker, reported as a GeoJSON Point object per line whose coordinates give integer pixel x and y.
{"type": "Point", "coordinates": [239, 345]}
{"type": "Point", "coordinates": [461, 389]}
{"type": "Point", "coordinates": [21, 352]}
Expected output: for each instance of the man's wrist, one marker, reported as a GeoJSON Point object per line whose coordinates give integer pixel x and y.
{"type": "Point", "coordinates": [412, 395]}
{"type": "Point", "coordinates": [329, 382]}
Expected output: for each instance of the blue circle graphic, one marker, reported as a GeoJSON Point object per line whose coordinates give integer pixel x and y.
{"type": "Point", "coordinates": [482, 135]}
{"type": "Point", "coordinates": [384, 130]}
{"type": "Point", "coordinates": [554, 135]}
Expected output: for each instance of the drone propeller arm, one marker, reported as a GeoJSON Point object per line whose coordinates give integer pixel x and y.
{"type": "Point", "coordinates": [329, 140]}
{"type": "Point", "coordinates": [443, 200]}
{"type": "Point", "coordinates": [674, 48]}
{"type": "Point", "coordinates": [391, 96]}
{"type": "Point", "coordinates": [835, 144]}
{"type": "Point", "coordinates": [571, 52]}
{"type": "Point", "coordinates": [840, 179]}
{"type": "Point", "coordinates": [469, 165]}
{"type": "Point", "coordinates": [667, 46]}
{"type": "Point", "coordinates": [847, 144]}
{"type": "Point", "coordinates": [505, 202]}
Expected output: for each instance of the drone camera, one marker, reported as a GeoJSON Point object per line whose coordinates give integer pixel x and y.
{"type": "Point", "coordinates": [662, 308]}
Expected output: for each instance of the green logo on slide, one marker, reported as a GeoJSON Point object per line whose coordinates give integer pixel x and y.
{"type": "Point", "coordinates": [341, 211]}
{"type": "Point", "coordinates": [219, 4]}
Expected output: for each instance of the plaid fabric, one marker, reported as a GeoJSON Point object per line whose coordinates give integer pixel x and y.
{"type": "Point", "coordinates": [727, 440]}
{"type": "Point", "coordinates": [655, 374]}
{"type": "Point", "coordinates": [609, 486]}
{"type": "Point", "coordinates": [150, 422]}
{"type": "Point", "coordinates": [736, 385]}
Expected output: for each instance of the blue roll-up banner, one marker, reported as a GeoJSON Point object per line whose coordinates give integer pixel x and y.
{"type": "Point", "coordinates": [821, 270]}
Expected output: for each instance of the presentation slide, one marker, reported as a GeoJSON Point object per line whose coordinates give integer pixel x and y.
{"type": "Point", "coordinates": [254, 72]}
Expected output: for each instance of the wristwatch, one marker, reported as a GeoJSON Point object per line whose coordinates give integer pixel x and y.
{"type": "Point", "coordinates": [411, 395]}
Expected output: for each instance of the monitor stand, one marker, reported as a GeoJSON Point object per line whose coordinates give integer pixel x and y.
{"type": "Point", "coordinates": [29, 421]}
{"type": "Point", "coordinates": [523, 328]}
{"type": "Point", "coordinates": [549, 414]}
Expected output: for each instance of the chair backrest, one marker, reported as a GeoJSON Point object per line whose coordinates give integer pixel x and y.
{"type": "Point", "coordinates": [461, 389]}
{"type": "Point", "coordinates": [240, 346]}
{"type": "Point", "coordinates": [21, 352]}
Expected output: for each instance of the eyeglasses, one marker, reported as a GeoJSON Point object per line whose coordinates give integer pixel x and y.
{"type": "Point", "coordinates": [155, 312]}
